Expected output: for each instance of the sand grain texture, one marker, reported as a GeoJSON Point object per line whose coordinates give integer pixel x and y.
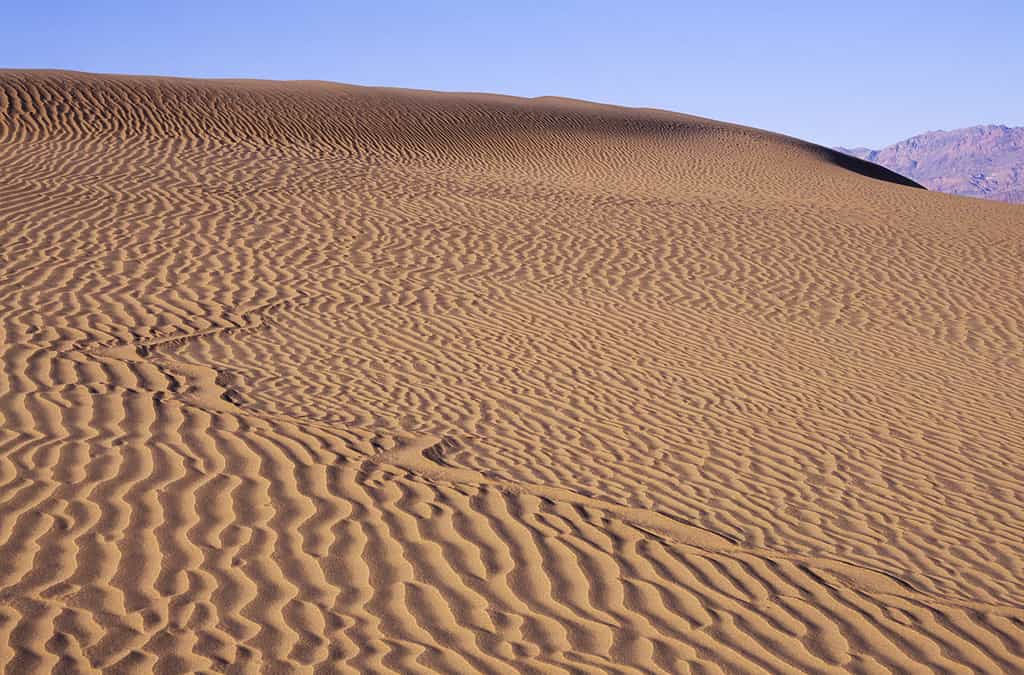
{"type": "Point", "coordinates": [308, 377]}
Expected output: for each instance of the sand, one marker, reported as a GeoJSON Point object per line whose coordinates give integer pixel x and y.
{"type": "Point", "coordinates": [309, 377]}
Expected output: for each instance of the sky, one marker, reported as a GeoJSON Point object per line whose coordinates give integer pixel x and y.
{"type": "Point", "coordinates": [837, 73]}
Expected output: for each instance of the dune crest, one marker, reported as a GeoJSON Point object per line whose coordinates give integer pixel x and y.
{"type": "Point", "coordinates": [310, 377]}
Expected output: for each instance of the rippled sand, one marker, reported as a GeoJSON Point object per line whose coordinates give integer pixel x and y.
{"type": "Point", "coordinates": [302, 376]}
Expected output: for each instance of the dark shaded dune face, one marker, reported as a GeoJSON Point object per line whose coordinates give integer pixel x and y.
{"type": "Point", "coordinates": [869, 169]}
{"type": "Point", "coordinates": [310, 377]}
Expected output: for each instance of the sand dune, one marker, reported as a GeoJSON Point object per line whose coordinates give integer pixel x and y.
{"type": "Point", "coordinates": [310, 377]}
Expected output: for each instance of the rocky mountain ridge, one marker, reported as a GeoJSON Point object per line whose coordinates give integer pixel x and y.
{"type": "Point", "coordinates": [985, 161]}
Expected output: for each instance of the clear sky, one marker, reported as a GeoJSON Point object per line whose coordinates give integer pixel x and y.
{"type": "Point", "coordinates": [837, 73]}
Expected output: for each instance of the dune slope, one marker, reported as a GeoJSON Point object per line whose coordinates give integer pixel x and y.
{"type": "Point", "coordinates": [309, 377]}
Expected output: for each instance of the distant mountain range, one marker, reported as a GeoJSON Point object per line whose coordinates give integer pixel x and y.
{"type": "Point", "coordinates": [984, 161]}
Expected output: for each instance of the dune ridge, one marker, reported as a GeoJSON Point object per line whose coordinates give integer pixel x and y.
{"type": "Point", "coordinates": [305, 377]}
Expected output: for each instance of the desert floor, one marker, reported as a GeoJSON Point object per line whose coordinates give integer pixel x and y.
{"type": "Point", "coordinates": [303, 376]}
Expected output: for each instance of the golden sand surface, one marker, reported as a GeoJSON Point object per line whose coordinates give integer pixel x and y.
{"type": "Point", "coordinates": [306, 377]}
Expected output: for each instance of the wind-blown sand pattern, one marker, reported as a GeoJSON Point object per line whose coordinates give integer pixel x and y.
{"type": "Point", "coordinates": [309, 377]}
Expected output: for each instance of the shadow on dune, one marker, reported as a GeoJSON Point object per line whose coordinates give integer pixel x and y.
{"type": "Point", "coordinates": [869, 169]}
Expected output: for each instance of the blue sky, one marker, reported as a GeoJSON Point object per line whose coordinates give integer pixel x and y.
{"type": "Point", "coordinates": [867, 73]}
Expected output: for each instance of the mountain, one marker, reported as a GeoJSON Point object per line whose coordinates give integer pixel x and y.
{"type": "Point", "coordinates": [983, 161]}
